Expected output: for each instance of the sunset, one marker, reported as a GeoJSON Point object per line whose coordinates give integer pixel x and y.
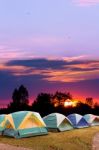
{"type": "Point", "coordinates": [49, 64]}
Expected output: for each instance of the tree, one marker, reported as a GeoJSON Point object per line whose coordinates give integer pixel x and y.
{"type": "Point", "coordinates": [42, 104]}
{"type": "Point", "coordinates": [23, 95]}
{"type": "Point", "coordinates": [83, 108]}
{"type": "Point", "coordinates": [20, 99]}
{"type": "Point", "coordinates": [96, 108]}
{"type": "Point", "coordinates": [59, 98]}
{"type": "Point", "coordinates": [15, 96]}
{"type": "Point", "coordinates": [89, 101]}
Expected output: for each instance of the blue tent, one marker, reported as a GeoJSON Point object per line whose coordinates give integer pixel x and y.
{"type": "Point", "coordinates": [78, 121]}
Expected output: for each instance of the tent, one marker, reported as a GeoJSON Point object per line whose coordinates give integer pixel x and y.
{"type": "Point", "coordinates": [78, 121]}
{"type": "Point", "coordinates": [57, 122]}
{"type": "Point", "coordinates": [2, 123]}
{"type": "Point", "coordinates": [24, 124]}
{"type": "Point", "coordinates": [92, 119]}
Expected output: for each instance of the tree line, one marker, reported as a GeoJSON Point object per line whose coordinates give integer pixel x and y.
{"type": "Point", "coordinates": [46, 103]}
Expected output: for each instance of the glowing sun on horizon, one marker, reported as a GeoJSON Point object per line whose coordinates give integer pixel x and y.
{"type": "Point", "coordinates": [69, 103]}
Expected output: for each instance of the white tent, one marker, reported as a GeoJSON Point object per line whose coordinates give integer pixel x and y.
{"type": "Point", "coordinates": [57, 122]}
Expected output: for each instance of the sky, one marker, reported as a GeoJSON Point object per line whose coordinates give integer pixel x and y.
{"type": "Point", "coordinates": [49, 45]}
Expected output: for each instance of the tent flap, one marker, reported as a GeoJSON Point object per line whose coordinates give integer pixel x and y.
{"type": "Point", "coordinates": [32, 132]}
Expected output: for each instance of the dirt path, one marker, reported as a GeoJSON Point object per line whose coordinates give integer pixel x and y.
{"type": "Point", "coordinates": [10, 147]}
{"type": "Point", "coordinates": [95, 144]}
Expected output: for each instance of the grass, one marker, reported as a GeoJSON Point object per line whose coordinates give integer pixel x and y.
{"type": "Point", "coordinates": [78, 139]}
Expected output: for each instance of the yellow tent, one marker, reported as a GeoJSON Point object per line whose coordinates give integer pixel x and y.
{"type": "Point", "coordinates": [24, 124]}
{"type": "Point", "coordinates": [2, 123]}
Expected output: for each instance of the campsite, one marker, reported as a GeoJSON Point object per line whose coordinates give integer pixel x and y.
{"type": "Point", "coordinates": [53, 132]}
{"type": "Point", "coordinates": [69, 140]}
{"type": "Point", "coordinates": [49, 74]}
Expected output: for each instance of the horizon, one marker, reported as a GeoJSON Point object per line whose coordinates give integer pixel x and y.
{"type": "Point", "coordinates": [49, 46]}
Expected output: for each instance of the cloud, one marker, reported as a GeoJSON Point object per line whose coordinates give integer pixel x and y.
{"type": "Point", "coordinates": [56, 70]}
{"type": "Point", "coordinates": [70, 59]}
{"type": "Point", "coordinates": [14, 69]}
{"type": "Point", "coordinates": [30, 47]}
{"type": "Point", "coordinates": [7, 53]}
{"type": "Point", "coordinates": [86, 2]}
{"type": "Point", "coordinates": [43, 75]}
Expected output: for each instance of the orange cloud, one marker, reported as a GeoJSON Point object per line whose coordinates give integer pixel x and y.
{"type": "Point", "coordinates": [14, 69]}
{"type": "Point", "coordinates": [85, 65]}
{"type": "Point", "coordinates": [69, 59]}
{"type": "Point", "coordinates": [71, 76]}
{"type": "Point", "coordinates": [62, 75]}
{"type": "Point", "coordinates": [84, 70]}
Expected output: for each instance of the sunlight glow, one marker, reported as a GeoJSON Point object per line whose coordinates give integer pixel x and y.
{"type": "Point", "coordinates": [69, 103]}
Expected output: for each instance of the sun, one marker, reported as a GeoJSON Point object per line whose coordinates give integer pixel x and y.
{"type": "Point", "coordinates": [68, 103]}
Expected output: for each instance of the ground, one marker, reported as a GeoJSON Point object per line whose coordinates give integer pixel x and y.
{"type": "Point", "coordinates": [10, 147]}
{"type": "Point", "coordinates": [77, 139]}
{"type": "Point", "coordinates": [95, 144]}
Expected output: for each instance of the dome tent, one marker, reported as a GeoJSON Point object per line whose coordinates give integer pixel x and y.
{"type": "Point", "coordinates": [24, 124]}
{"type": "Point", "coordinates": [92, 119]}
{"type": "Point", "coordinates": [78, 121]}
{"type": "Point", "coordinates": [57, 122]}
{"type": "Point", "coordinates": [2, 123]}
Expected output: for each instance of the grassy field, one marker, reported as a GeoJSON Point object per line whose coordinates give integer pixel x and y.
{"type": "Point", "coordinates": [78, 139]}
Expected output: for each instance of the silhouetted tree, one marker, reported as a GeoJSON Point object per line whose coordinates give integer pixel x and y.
{"type": "Point", "coordinates": [83, 108]}
{"type": "Point", "coordinates": [96, 108]}
{"type": "Point", "coordinates": [19, 99]}
{"type": "Point", "coordinates": [23, 95]}
{"type": "Point", "coordinates": [42, 104]}
{"type": "Point", "coordinates": [59, 98]}
{"type": "Point", "coordinates": [89, 101]}
{"type": "Point", "coordinates": [15, 97]}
